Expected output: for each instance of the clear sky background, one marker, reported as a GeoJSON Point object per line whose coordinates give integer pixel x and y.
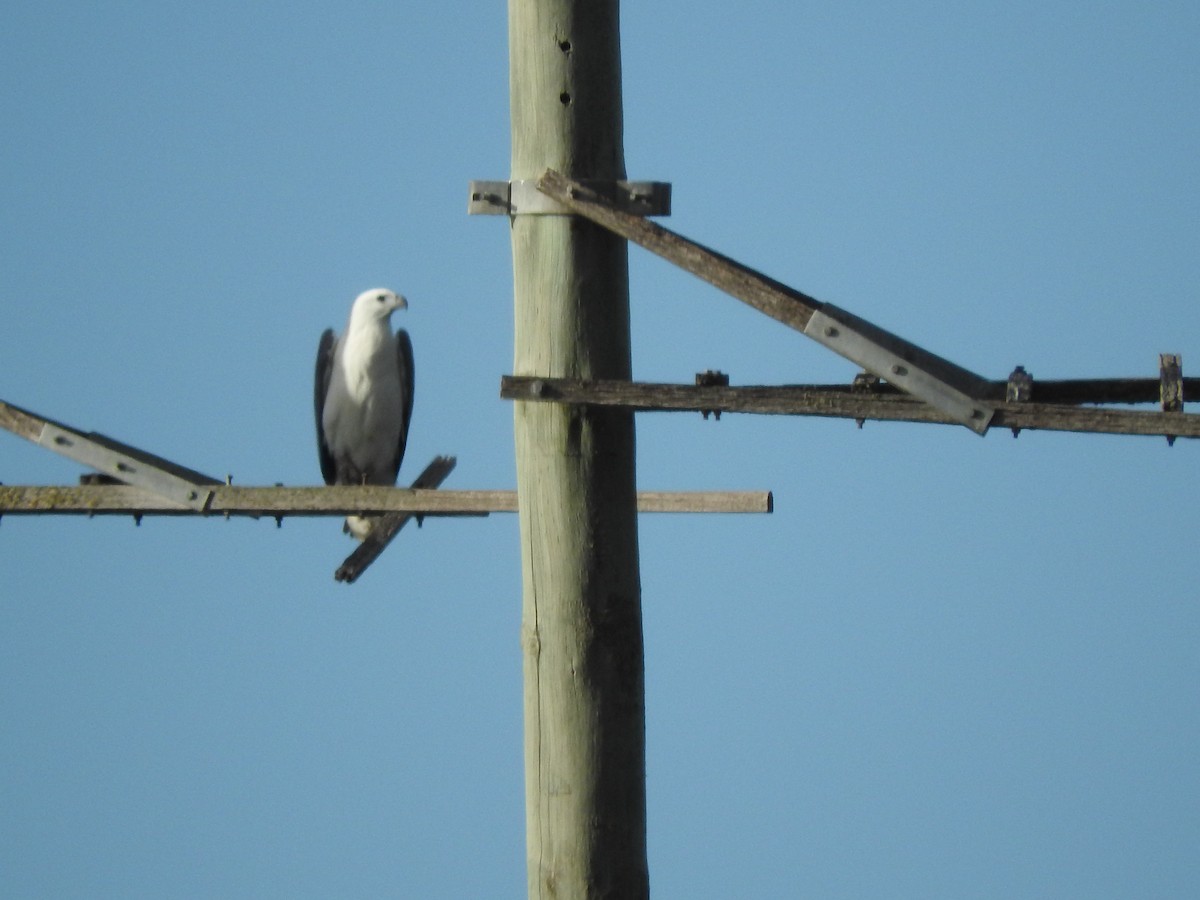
{"type": "Point", "coordinates": [945, 667]}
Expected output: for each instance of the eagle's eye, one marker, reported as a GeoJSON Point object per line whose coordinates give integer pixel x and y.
{"type": "Point", "coordinates": [381, 298]}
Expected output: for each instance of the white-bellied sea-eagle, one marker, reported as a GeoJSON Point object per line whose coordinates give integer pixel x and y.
{"type": "Point", "coordinates": [364, 397]}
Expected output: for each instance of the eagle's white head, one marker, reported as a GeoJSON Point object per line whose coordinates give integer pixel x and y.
{"type": "Point", "coordinates": [375, 305]}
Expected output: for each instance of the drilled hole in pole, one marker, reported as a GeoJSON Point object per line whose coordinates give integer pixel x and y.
{"type": "Point", "coordinates": [564, 98]}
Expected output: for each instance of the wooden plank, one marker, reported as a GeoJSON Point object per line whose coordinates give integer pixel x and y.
{"type": "Point", "coordinates": [1094, 390]}
{"type": "Point", "coordinates": [121, 499]}
{"type": "Point", "coordinates": [20, 422]}
{"type": "Point", "coordinates": [842, 402]}
{"type": "Point", "coordinates": [936, 380]}
{"type": "Point", "coordinates": [1060, 391]}
{"type": "Point", "coordinates": [388, 526]}
{"type": "Point", "coordinates": [317, 502]}
{"type": "Point", "coordinates": [107, 456]}
{"type": "Point", "coordinates": [32, 426]}
{"type": "Point", "coordinates": [1095, 420]}
{"type": "Point", "coordinates": [765, 294]}
{"type": "Point", "coordinates": [706, 501]}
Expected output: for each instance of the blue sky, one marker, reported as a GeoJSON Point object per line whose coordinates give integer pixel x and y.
{"type": "Point", "coordinates": [945, 667]}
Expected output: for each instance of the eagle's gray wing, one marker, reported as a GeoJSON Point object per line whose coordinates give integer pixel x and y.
{"type": "Point", "coordinates": [324, 371]}
{"type": "Point", "coordinates": [404, 365]}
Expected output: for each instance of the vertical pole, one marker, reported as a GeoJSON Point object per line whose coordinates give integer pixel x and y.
{"type": "Point", "coordinates": [581, 616]}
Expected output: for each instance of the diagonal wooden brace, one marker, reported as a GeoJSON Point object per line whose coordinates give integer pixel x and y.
{"type": "Point", "coordinates": [389, 526]}
{"type": "Point", "coordinates": [943, 385]}
{"type": "Point", "coordinates": [123, 462]}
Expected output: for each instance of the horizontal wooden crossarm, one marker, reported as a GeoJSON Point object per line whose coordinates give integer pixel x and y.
{"type": "Point", "coordinates": [883, 403]}
{"type": "Point", "coordinates": [1061, 391]}
{"type": "Point", "coordinates": [125, 500]}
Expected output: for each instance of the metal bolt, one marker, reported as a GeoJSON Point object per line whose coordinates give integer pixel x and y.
{"type": "Point", "coordinates": [899, 370]}
{"type": "Point", "coordinates": [830, 331]}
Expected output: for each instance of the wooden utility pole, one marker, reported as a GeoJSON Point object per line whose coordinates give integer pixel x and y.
{"type": "Point", "coordinates": [581, 617]}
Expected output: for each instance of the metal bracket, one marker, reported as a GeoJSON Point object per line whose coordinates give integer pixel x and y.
{"type": "Point", "coordinates": [863, 383]}
{"type": "Point", "coordinates": [1170, 386]}
{"type": "Point", "coordinates": [522, 198]}
{"type": "Point", "coordinates": [916, 371]}
{"type": "Point", "coordinates": [712, 378]}
{"type": "Point", "coordinates": [1170, 377]}
{"type": "Point", "coordinates": [1018, 389]}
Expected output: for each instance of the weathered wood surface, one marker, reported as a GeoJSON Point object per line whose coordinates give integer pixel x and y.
{"type": "Point", "coordinates": [796, 309]}
{"type": "Point", "coordinates": [140, 466]}
{"type": "Point", "coordinates": [21, 422]}
{"type": "Point", "coordinates": [884, 403]}
{"type": "Point", "coordinates": [581, 613]}
{"type": "Point", "coordinates": [388, 526]}
{"type": "Point", "coordinates": [934, 379]}
{"type": "Point", "coordinates": [311, 502]}
{"type": "Point", "coordinates": [1062, 391]}
{"type": "Point", "coordinates": [765, 294]}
